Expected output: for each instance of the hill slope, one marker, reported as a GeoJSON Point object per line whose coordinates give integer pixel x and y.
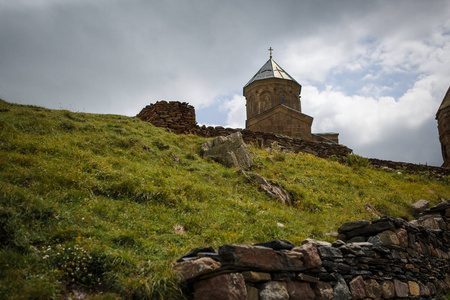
{"type": "Point", "coordinates": [102, 204]}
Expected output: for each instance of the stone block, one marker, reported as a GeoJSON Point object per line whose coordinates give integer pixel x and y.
{"type": "Point", "coordinates": [402, 236]}
{"type": "Point", "coordinates": [252, 293]}
{"type": "Point", "coordinates": [420, 206]}
{"type": "Point", "coordinates": [401, 289]}
{"type": "Point", "coordinates": [323, 291]}
{"type": "Point", "coordinates": [388, 289]}
{"type": "Point", "coordinates": [299, 290]}
{"type": "Point", "coordinates": [357, 288]}
{"type": "Point", "coordinates": [353, 225]}
{"type": "Point", "coordinates": [311, 257]}
{"type": "Point", "coordinates": [341, 290]}
{"type": "Point", "coordinates": [222, 287]}
{"type": "Point", "coordinates": [194, 268]}
{"type": "Point", "coordinates": [307, 278]}
{"type": "Point", "coordinates": [273, 290]}
{"type": "Point", "coordinates": [388, 237]}
{"type": "Point", "coordinates": [329, 252]}
{"type": "Point", "coordinates": [259, 258]}
{"type": "Point", "coordinates": [373, 289]}
{"type": "Point", "coordinates": [252, 276]}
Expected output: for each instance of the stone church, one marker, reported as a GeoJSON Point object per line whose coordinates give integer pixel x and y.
{"type": "Point", "coordinates": [273, 105]}
{"type": "Point", "coordinates": [443, 119]}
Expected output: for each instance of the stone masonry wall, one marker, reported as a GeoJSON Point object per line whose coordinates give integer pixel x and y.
{"type": "Point", "coordinates": [180, 118]}
{"type": "Point", "coordinates": [388, 258]}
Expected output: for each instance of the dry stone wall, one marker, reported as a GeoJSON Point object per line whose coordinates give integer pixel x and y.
{"type": "Point", "coordinates": [180, 118]}
{"type": "Point", "coordinates": [389, 258]}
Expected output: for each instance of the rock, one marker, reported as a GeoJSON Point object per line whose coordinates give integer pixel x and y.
{"type": "Point", "coordinates": [357, 288]}
{"type": "Point", "coordinates": [299, 290]}
{"type": "Point", "coordinates": [194, 252]}
{"type": "Point", "coordinates": [388, 237]}
{"type": "Point", "coordinates": [388, 289]}
{"type": "Point", "coordinates": [316, 242]}
{"type": "Point", "coordinates": [420, 206]}
{"type": "Point", "coordinates": [329, 252]}
{"type": "Point", "coordinates": [307, 278]}
{"type": "Point", "coordinates": [277, 245]}
{"type": "Point", "coordinates": [323, 291]}
{"type": "Point", "coordinates": [371, 229]}
{"type": "Point", "coordinates": [414, 288]}
{"type": "Point", "coordinates": [252, 276]}
{"type": "Point", "coordinates": [252, 292]}
{"type": "Point", "coordinates": [341, 291]}
{"type": "Point", "coordinates": [375, 241]}
{"type": "Point", "coordinates": [402, 236]}
{"type": "Point", "coordinates": [230, 151]}
{"type": "Point", "coordinates": [373, 289]}
{"type": "Point", "coordinates": [311, 257]}
{"type": "Point", "coordinates": [273, 190]}
{"type": "Point", "coordinates": [424, 290]}
{"type": "Point", "coordinates": [353, 225]}
{"type": "Point", "coordinates": [431, 223]}
{"type": "Point", "coordinates": [401, 289]}
{"type": "Point", "coordinates": [258, 258]}
{"type": "Point", "coordinates": [273, 290]}
{"type": "Point", "coordinates": [194, 268]}
{"type": "Point", "coordinates": [226, 287]}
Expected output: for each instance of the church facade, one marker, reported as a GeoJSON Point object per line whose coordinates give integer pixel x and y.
{"type": "Point", "coordinates": [273, 105]}
{"type": "Point", "coordinates": [443, 120]}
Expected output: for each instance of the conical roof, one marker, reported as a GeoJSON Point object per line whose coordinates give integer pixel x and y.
{"type": "Point", "coordinates": [271, 70]}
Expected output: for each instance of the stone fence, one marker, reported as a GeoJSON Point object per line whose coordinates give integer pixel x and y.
{"type": "Point", "coordinates": [388, 258]}
{"type": "Point", "coordinates": [180, 118]}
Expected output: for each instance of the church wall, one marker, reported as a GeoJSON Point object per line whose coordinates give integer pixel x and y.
{"type": "Point", "coordinates": [284, 121]}
{"type": "Point", "coordinates": [443, 118]}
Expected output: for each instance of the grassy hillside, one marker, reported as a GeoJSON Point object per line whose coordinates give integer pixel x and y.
{"type": "Point", "coordinates": [94, 203]}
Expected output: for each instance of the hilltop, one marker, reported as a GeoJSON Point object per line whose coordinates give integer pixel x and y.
{"type": "Point", "coordinates": [101, 205]}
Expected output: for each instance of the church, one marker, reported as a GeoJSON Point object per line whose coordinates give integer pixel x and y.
{"type": "Point", "coordinates": [273, 105]}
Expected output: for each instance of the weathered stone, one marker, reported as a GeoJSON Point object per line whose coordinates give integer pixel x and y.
{"type": "Point", "coordinates": [273, 190]}
{"type": "Point", "coordinates": [356, 239]}
{"type": "Point", "coordinates": [316, 242]}
{"type": "Point", "coordinates": [195, 251]}
{"type": "Point", "coordinates": [277, 245]}
{"type": "Point", "coordinates": [401, 289]}
{"type": "Point", "coordinates": [230, 151]}
{"type": "Point", "coordinates": [226, 287]}
{"type": "Point", "coordinates": [194, 268]}
{"type": "Point", "coordinates": [424, 290]}
{"type": "Point", "coordinates": [283, 276]}
{"type": "Point", "coordinates": [329, 252]}
{"type": "Point", "coordinates": [353, 225]}
{"type": "Point", "coordinates": [431, 223]}
{"type": "Point", "coordinates": [402, 236]}
{"type": "Point", "coordinates": [341, 291]}
{"type": "Point", "coordinates": [388, 237]}
{"type": "Point", "coordinates": [323, 291]}
{"type": "Point", "coordinates": [252, 292]}
{"type": "Point", "coordinates": [307, 278]}
{"type": "Point", "coordinates": [311, 257]}
{"type": "Point", "coordinates": [259, 258]}
{"type": "Point", "coordinates": [299, 290]}
{"type": "Point", "coordinates": [252, 276]}
{"type": "Point", "coordinates": [373, 289]}
{"type": "Point", "coordinates": [420, 206]}
{"type": "Point", "coordinates": [388, 289]}
{"type": "Point", "coordinates": [273, 290]}
{"type": "Point", "coordinates": [357, 288]}
{"type": "Point", "coordinates": [371, 229]}
{"type": "Point", "coordinates": [414, 288]}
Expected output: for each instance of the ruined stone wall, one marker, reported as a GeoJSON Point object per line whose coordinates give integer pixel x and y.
{"type": "Point", "coordinates": [388, 258]}
{"type": "Point", "coordinates": [177, 116]}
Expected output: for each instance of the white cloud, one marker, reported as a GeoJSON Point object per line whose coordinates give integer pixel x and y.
{"type": "Point", "coordinates": [236, 111]}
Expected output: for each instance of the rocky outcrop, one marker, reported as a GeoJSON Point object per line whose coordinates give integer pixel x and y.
{"type": "Point", "coordinates": [388, 258]}
{"type": "Point", "coordinates": [230, 151]}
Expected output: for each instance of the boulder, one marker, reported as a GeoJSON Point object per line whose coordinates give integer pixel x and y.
{"type": "Point", "coordinates": [388, 289]}
{"type": "Point", "coordinates": [277, 245]}
{"type": "Point", "coordinates": [273, 190]}
{"type": "Point", "coordinates": [222, 287]}
{"type": "Point", "coordinates": [414, 288]}
{"type": "Point", "coordinates": [373, 289]}
{"type": "Point", "coordinates": [353, 225]}
{"type": "Point", "coordinates": [401, 289]}
{"type": "Point", "coordinates": [341, 290]}
{"type": "Point", "coordinates": [323, 291]}
{"type": "Point", "coordinates": [194, 268]}
{"type": "Point", "coordinates": [311, 257]}
{"type": "Point", "coordinates": [230, 151]}
{"type": "Point", "coordinates": [420, 206]}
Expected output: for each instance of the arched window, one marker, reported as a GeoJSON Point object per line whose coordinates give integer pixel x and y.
{"type": "Point", "coordinates": [282, 99]}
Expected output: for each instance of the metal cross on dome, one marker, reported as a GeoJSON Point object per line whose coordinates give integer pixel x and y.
{"type": "Point", "coordinates": [270, 49]}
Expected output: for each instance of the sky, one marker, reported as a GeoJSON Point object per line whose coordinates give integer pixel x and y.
{"type": "Point", "coordinates": [373, 71]}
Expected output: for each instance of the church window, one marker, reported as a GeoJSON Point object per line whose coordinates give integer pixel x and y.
{"type": "Point", "coordinates": [282, 99]}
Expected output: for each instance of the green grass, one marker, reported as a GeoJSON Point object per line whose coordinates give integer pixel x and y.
{"type": "Point", "coordinates": [89, 202]}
